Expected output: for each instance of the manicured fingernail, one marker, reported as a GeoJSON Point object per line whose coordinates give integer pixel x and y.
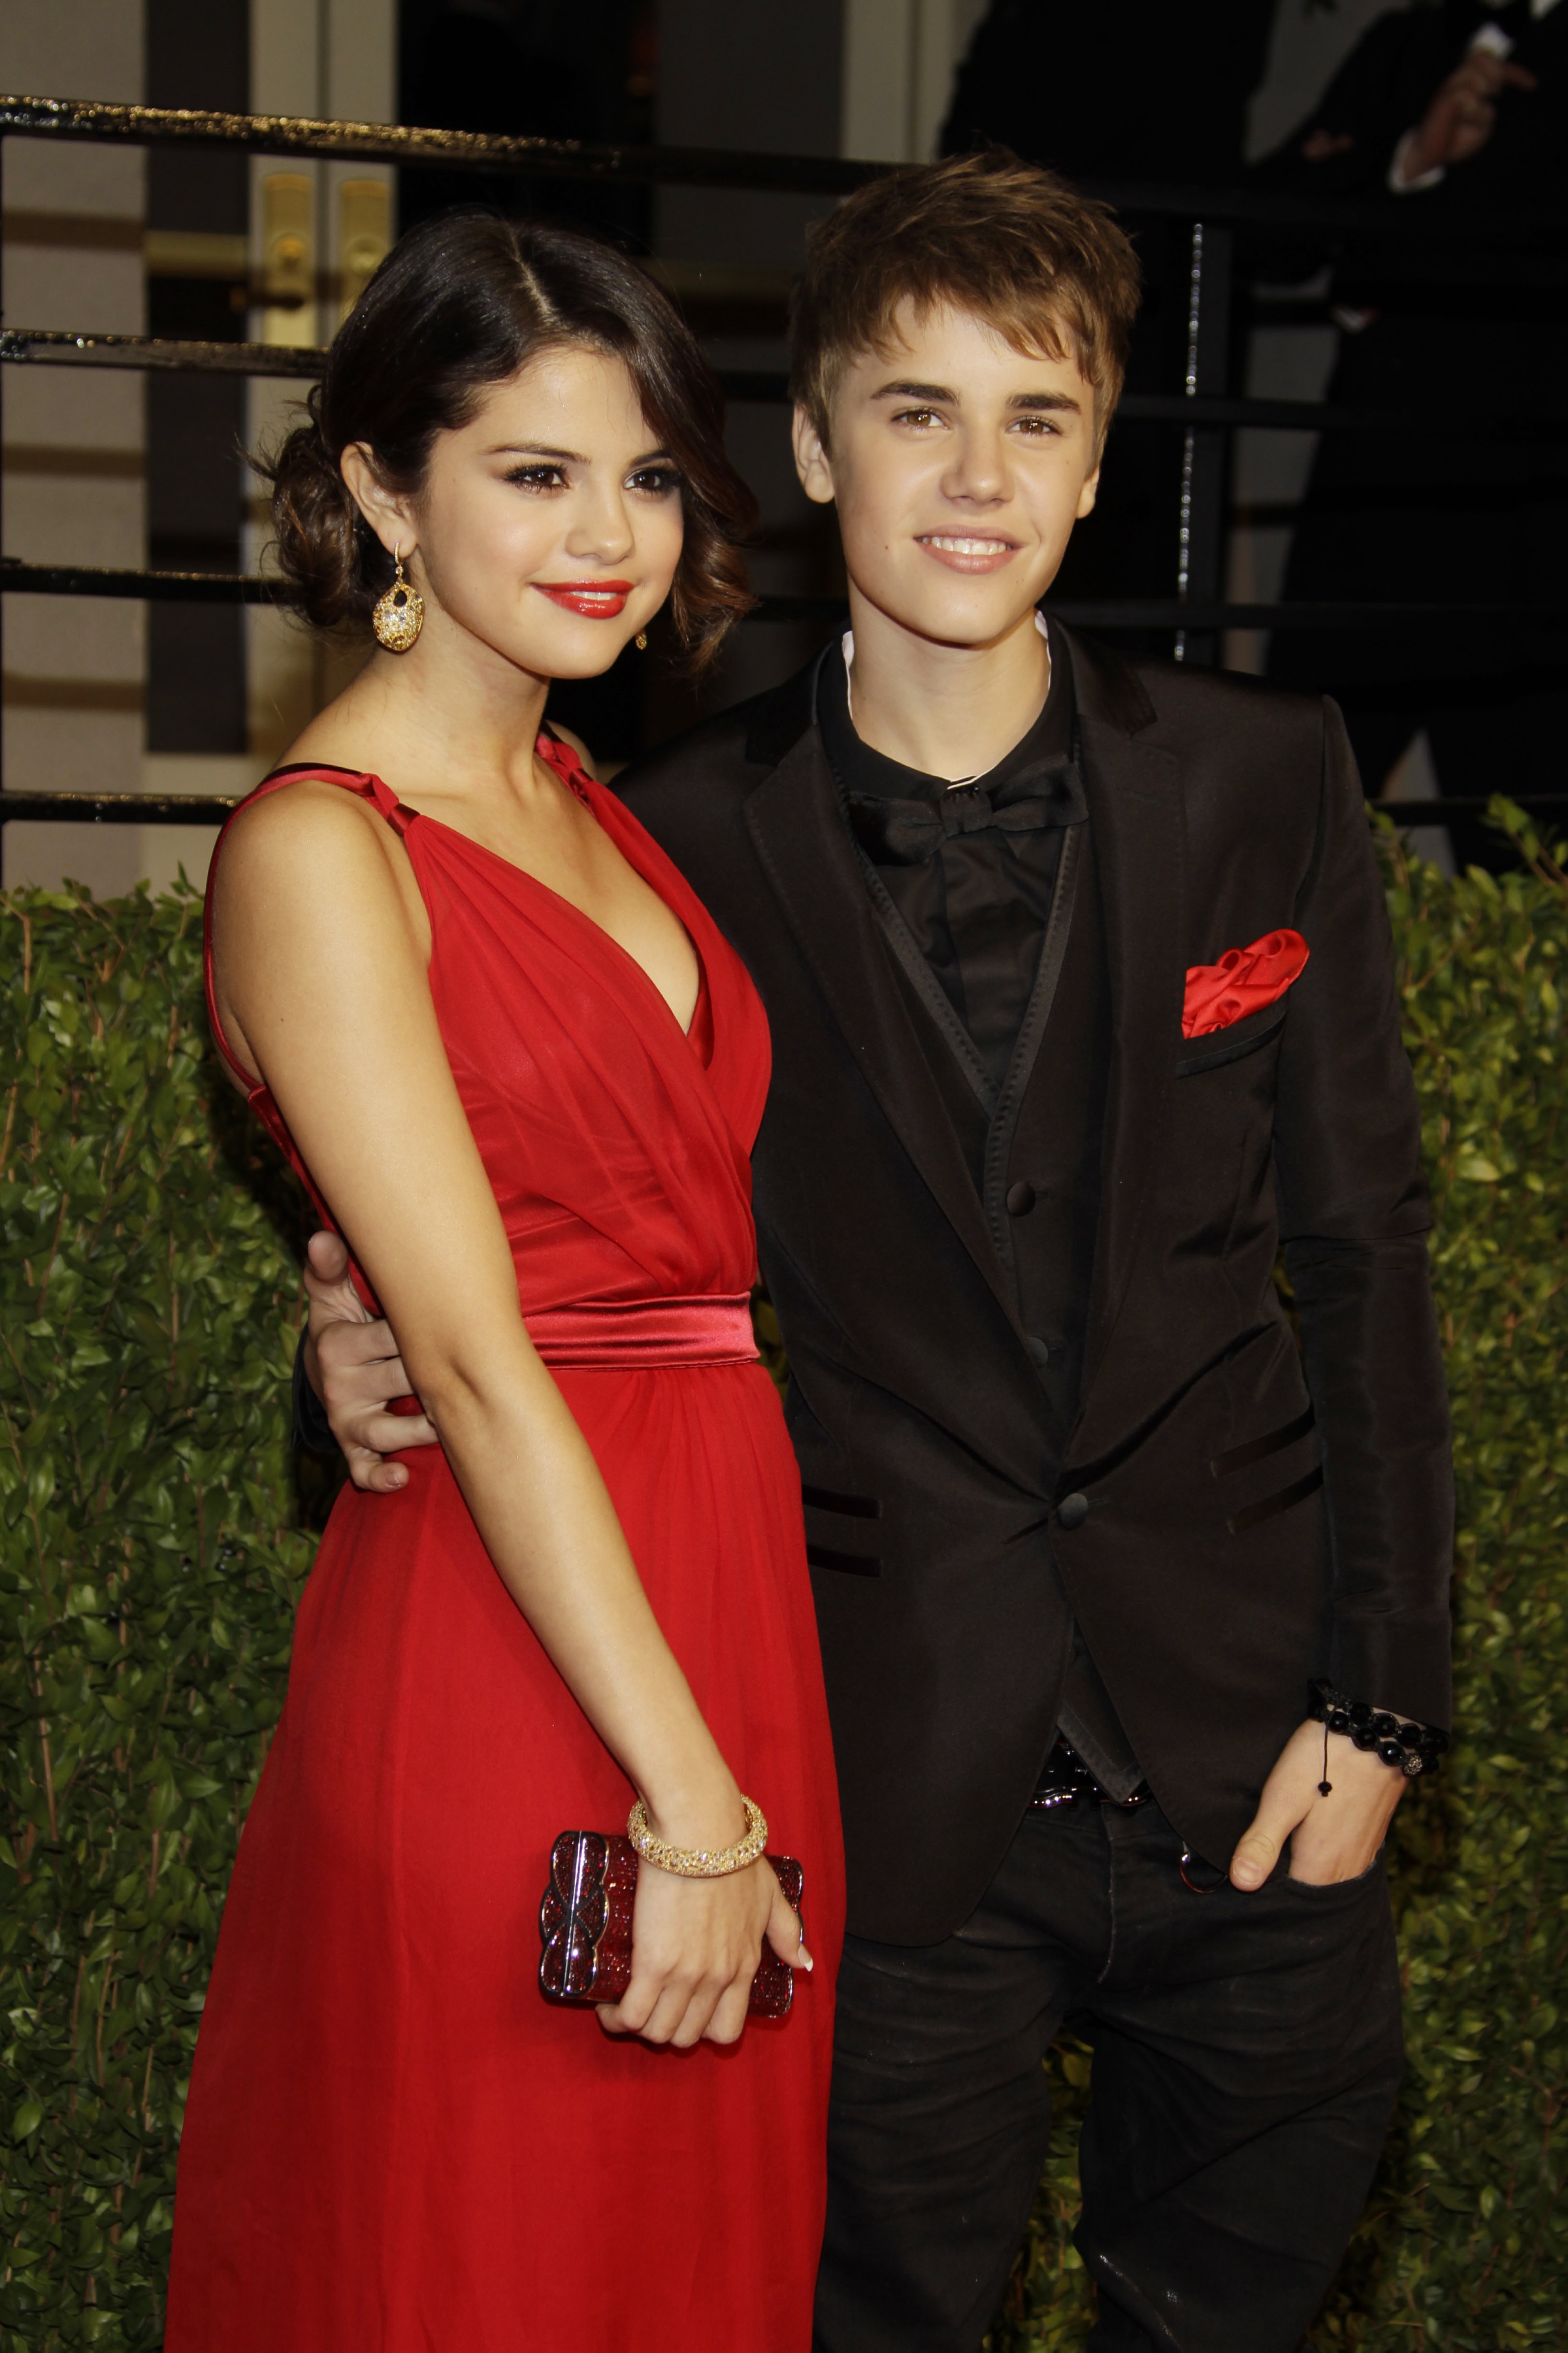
{"type": "Point", "coordinates": [806, 1960]}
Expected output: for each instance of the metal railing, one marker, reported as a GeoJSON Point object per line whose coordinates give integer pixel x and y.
{"type": "Point", "coordinates": [1500, 249]}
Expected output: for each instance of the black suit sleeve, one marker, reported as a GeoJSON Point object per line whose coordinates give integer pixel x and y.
{"type": "Point", "coordinates": [1381, 91]}
{"type": "Point", "coordinates": [312, 1430]}
{"type": "Point", "coordinates": [1353, 1217]}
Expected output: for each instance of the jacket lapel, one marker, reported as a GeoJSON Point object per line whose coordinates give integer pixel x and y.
{"type": "Point", "coordinates": [1136, 814]}
{"type": "Point", "coordinates": [798, 827]}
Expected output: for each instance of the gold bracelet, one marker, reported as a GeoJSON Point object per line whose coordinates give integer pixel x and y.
{"type": "Point", "coordinates": [692, 1862]}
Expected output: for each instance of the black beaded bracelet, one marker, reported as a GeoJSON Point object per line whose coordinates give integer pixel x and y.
{"type": "Point", "coordinates": [1409, 1748]}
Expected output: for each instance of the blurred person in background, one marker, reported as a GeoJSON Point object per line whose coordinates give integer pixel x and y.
{"type": "Point", "coordinates": [1459, 110]}
{"type": "Point", "coordinates": [1129, 89]}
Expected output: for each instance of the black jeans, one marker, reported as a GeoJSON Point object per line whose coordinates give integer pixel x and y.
{"type": "Point", "coordinates": [1247, 2054]}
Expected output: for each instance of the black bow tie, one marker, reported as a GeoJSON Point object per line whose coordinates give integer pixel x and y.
{"type": "Point", "coordinates": [906, 833]}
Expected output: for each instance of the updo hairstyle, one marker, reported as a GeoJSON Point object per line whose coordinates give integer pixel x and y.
{"type": "Point", "coordinates": [465, 301]}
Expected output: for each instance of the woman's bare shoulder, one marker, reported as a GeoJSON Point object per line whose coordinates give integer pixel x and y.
{"type": "Point", "coordinates": [312, 853]}
{"type": "Point", "coordinates": [302, 821]}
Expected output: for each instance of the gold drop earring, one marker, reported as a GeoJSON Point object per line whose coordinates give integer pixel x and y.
{"type": "Point", "coordinates": [640, 641]}
{"type": "Point", "coordinates": [399, 615]}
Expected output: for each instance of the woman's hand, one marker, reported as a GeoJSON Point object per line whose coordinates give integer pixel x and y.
{"type": "Point", "coordinates": [1332, 1838]}
{"type": "Point", "coordinates": [696, 1944]}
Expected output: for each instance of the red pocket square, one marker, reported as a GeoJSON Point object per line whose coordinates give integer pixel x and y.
{"type": "Point", "coordinates": [1244, 981]}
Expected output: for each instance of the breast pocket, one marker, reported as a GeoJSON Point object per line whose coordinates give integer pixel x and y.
{"type": "Point", "coordinates": [1232, 1045]}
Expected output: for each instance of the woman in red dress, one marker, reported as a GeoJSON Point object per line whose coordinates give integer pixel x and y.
{"type": "Point", "coordinates": [520, 1072]}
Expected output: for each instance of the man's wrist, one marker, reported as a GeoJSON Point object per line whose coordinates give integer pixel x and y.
{"type": "Point", "coordinates": [1399, 1742]}
{"type": "Point", "coordinates": [1408, 175]}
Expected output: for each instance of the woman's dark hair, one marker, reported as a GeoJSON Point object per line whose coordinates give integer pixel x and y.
{"type": "Point", "coordinates": [464, 302]}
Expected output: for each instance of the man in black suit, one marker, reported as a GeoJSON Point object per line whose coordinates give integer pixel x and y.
{"type": "Point", "coordinates": [1082, 1001]}
{"type": "Point", "coordinates": [1443, 113]}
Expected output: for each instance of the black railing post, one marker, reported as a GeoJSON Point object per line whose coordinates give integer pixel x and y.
{"type": "Point", "coordinates": [2, 483]}
{"type": "Point", "coordinates": [1205, 449]}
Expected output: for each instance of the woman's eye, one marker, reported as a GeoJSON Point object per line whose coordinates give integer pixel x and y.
{"type": "Point", "coordinates": [537, 478]}
{"type": "Point", "coordinates": [656, 481]}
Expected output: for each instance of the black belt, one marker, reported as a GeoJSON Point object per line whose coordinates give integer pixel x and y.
{"type": "Point", "coordinates": [1066, 1781]}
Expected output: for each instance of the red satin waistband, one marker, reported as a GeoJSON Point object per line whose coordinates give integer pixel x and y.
{"type": "Point", "coordinates": [628, 1333]}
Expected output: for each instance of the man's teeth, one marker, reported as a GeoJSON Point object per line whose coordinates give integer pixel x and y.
{"type": "Point", "coordinates": [967, 546]}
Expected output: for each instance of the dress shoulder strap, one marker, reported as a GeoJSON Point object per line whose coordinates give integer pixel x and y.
{"type": "Point", "coordinates": [557, 753]}
{"type": "Point", "coordinates": [398, 815]}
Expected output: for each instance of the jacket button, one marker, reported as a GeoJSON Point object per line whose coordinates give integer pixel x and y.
{"type": "Point", "coordinates": [1072, 1512]}
{"type": "Point", "coordinates": [1040, 1353]}
{"type": "Point", "coordinates": [1020, 1198]}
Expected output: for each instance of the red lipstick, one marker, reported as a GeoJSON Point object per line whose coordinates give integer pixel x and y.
{"type": "Point", "coordinates": [596, 600]}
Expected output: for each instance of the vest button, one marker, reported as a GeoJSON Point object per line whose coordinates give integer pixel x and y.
{"type": "Point", "coordinates": [1072, 1512]}
{"type": "Point", "coordinates": [1020, 1198]}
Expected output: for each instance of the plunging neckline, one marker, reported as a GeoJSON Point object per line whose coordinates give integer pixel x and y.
{"type": "Point", "coordinates": [688, 1029]}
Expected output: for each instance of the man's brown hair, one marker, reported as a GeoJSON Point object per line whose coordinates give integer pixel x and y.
{"type": "Point", "coordinates": [1048, 269]}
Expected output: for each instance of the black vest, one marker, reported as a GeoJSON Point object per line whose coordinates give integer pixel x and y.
{"type": "Point", "coordinates": [1034, 1151]}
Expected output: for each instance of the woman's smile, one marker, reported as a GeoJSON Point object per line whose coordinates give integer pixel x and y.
{"type": "Point", "coordinates": [596, 600]}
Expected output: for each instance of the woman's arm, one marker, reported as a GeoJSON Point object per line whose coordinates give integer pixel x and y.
{"type": "Point", "coordinates": [321, 946]}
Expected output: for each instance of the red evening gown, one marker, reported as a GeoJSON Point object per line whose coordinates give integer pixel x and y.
{"type": "Point", "coordinates": [393, 2143]}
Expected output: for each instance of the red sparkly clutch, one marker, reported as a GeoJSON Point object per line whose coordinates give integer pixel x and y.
{"type": "Point", "coordinates": [585, 1923]}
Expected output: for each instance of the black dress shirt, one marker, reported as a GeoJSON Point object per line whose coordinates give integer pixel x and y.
{"type": "Point", "coordinates": [977, 908]}
{"type": "Point", "coordinates": [975, 902]}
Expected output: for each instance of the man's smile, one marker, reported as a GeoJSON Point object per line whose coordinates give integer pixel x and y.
{"type": "Point", "coordinates": [968, 551]}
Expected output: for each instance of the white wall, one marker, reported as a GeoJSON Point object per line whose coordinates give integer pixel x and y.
{"type": "Point", "coordinates": [337, 60]}
{"type": "Point", "coordinates": [334, 59]}
{"type": "Point", "coordinates": [73, 442]}
{"type": "Point", "coordinates": [899, 62]}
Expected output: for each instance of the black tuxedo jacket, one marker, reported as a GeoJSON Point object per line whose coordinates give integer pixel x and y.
{"type": "Point", "coordinates": [1257, 1513]}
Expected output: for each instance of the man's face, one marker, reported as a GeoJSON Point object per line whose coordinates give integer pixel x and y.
{"type": "Point", "coordinates": [959, 466]}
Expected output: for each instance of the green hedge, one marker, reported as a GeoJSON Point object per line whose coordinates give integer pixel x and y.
{"type": "Point", "coordinates": [153, 1551]}
{"type": "Point", "coordinates": [154, 1542]}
